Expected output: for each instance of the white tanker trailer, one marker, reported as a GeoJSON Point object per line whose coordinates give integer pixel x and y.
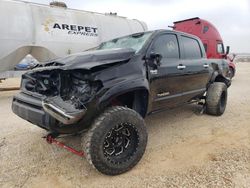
{"type": "Point", "coordinates": [47, 32]}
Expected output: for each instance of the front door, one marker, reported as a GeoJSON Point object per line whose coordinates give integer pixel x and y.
{"type": "Point", "coordinates": [166, 78]}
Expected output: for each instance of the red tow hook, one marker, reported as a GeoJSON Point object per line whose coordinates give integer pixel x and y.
{"type": "Point", "coordinates": [51, 140]}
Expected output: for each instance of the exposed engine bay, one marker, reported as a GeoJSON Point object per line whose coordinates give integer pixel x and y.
{"type": "Point", "coordinates": [64, 93]}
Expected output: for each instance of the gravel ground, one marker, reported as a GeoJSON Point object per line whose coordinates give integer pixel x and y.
{"type": "Point", "coordinates": [185, 149]}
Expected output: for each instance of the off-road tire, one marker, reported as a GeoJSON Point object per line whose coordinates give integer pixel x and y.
{"type": "Point", "coordinates": [216, 99]}
{"type": "Point", "coordinates": [94, 141]}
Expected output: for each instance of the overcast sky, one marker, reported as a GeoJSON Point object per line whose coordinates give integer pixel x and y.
{"type": "Point", "coordinates": [231, 17]}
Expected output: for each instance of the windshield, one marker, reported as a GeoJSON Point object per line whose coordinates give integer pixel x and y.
{"type": "Point", "coordinates": [135, 41]}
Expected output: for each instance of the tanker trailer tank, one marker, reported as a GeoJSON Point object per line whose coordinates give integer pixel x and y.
{"type": "Point", "coordinates": [47, 32]}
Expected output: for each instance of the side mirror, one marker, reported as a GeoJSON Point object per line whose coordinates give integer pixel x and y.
{"type": "Point", "coordinates": [227, 50]}
{"type": "Point", "coordinates": [155, 58]}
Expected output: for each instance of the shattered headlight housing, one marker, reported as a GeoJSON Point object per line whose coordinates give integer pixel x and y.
{"type": "Point", "coordinates": [43, 83]}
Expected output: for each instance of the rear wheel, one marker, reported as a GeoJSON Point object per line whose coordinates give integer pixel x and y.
{"type": "Point", "coordinates": [216, 98]}
{"type": "Point", "coordinates": [116, 141]}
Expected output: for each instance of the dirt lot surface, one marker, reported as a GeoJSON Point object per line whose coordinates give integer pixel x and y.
{"type": "Point", "coordinates": [185, 149]}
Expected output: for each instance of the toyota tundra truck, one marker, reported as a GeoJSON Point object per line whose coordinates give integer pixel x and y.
{"type": "Point", "coordinates": [104, 93]}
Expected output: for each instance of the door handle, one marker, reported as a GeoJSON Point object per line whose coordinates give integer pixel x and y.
{"type": "Point", "coordinates": [206, 66]}
{"type": "Point", "coordinates": [180, 67]}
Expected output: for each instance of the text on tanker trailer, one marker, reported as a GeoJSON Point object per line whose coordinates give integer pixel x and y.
{"type": "Point", "coordinates": [47, 32]}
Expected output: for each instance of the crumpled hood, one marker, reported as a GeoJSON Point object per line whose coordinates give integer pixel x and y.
{"type": "Point", "coordinates": [90, 59]}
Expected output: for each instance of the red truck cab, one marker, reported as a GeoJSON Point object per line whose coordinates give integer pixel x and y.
{"type": "Point", "coordinates": [209, 36]}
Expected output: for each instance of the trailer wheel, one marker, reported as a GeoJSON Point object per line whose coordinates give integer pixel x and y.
{"type": "Point", "coordinates": [116, 141]}
{"type": "Point", "coordinates": [216, 99]}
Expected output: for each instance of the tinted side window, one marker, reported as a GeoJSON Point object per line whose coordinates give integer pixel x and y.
{"type": "Point", "coordinates": [192, 48]}
{"type": "Point", "coordinates": [167, 46]}
{"type": "Point", "coordinates": [220, 48]}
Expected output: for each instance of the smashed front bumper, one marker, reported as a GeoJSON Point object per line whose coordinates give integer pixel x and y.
{"type": "Point", "coordinates": [46, 113]}
{"type": "Point", "coordinates": [64, 112]}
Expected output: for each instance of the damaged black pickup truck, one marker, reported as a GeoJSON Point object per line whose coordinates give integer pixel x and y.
{"type": "Point", "coordinates": [105, 93]}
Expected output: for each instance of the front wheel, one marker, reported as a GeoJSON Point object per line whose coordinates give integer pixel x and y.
{"type": "Point", "coordinates": [116, 141]}
{"type": "Point", "coordinates": [216, 98]}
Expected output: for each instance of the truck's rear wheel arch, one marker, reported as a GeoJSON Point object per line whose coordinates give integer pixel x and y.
{"type": "Point", "coordinates": [135, 99]}
{"type": "Point", "coordinates": [217, 77]}
{"type": "Point", "coordinates": [221, 78]}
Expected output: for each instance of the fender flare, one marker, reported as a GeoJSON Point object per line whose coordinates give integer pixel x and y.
{"type": "Point", "coordinates": [220, 77]}
{"type": "Point", "coordinates": [122, 88]}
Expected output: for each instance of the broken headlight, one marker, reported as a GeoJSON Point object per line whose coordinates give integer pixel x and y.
{"type": "Point", "coordinates": [45, 82]}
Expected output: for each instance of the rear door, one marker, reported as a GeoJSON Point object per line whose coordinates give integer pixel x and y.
{"type": "Point", "coordinates": [196, 67]}
{"type": "Point", "coordinates": [166, 80]}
